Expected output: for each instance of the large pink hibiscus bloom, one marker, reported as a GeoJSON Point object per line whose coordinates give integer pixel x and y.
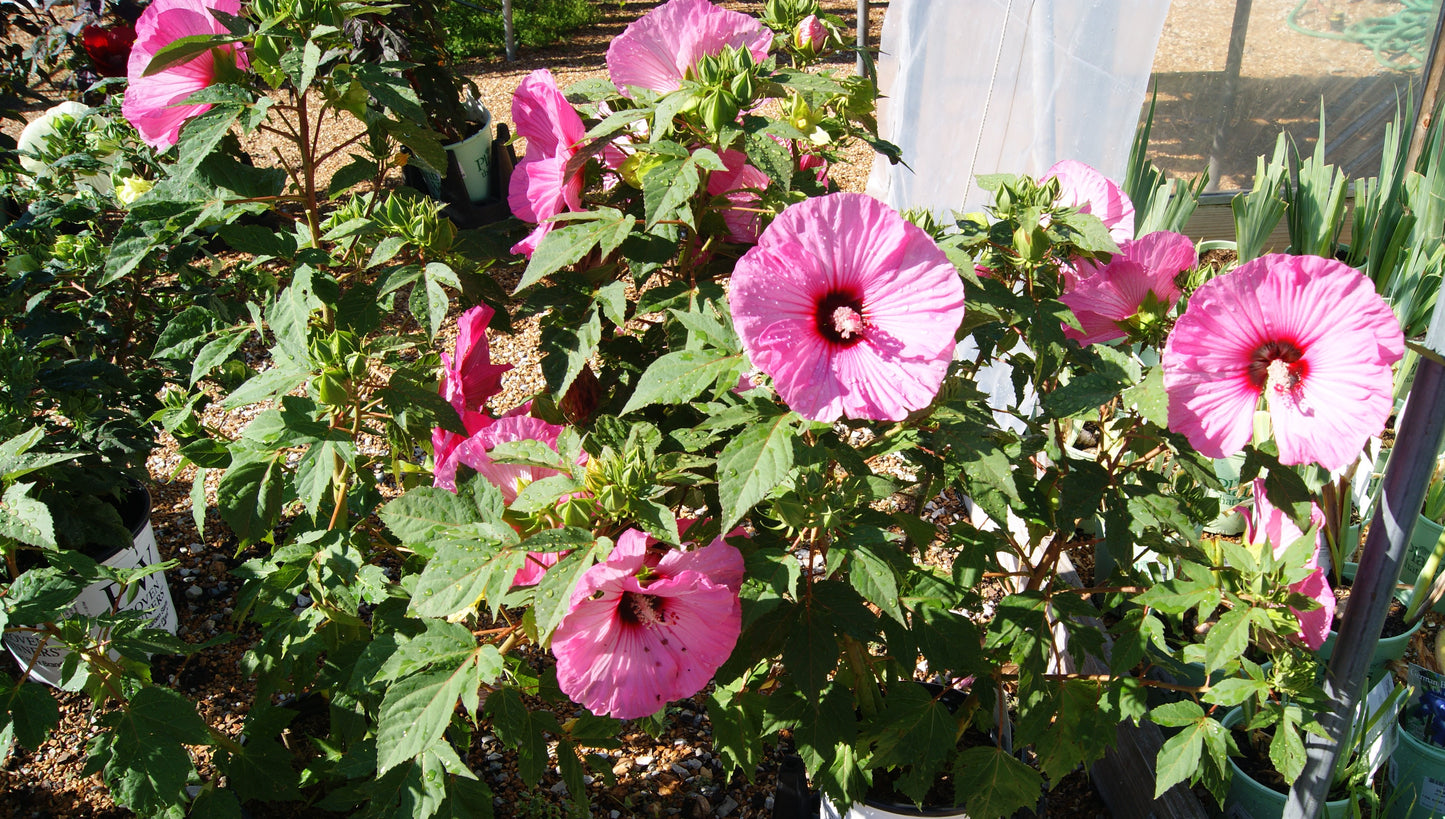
{"type": "Point", "coordinates": [1308, 334]}
{"type": "Point", "coordinates": [541, 186]}
{"type": "Point", "coordinates": [152, 103]}
{"type": "Point", "coordinates": [1270, 524]}
{"type": "Point", "coordinates": [850, 309]}
{"type": "Point", "coordinates": [1082, 187]}
{"type": "Point", "coordinates": [1105, 296]}
{"type": "Point", "coordinates": [658, 50]}
{"type": "Point", "coordinates": [649, 627]}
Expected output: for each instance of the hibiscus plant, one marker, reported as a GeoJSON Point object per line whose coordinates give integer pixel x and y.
{"type": "Point", "coordinates": [756, 390]}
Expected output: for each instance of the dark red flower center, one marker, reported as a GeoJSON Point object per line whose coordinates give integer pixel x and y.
{"type": "Point", "coordinates": [1277, 365]}
{"type": "Point", "coordinates": [840, 318]}
{"type": "Point", "coordinates": [640, 609]}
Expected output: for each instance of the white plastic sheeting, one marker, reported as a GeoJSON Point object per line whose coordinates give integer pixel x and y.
{"type": "Point", "coordinates": [986, 86]}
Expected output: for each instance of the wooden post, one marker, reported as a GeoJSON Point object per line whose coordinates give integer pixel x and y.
{"type": "Point", "coordinates": [1429, 96]}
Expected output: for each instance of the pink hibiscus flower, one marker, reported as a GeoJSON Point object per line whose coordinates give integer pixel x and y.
{"type": "Point", "coordinates": [850, 309]}
{"type": "Point", "coordinates": [657, 51]}
{"type": "Point", "coordinates": [649, 626]}
{"type": "Point", "coordinates": [541, 187]}
{"type": "Point", "coordinates": [1265, 523]}
{"type": "Point", "coordinates": [740, 185]}
{"type": "Point", "coordinates": [1308, 334]}
{"type": "Point", "coordinates": [1106, 296]}
{"type": "Point", "coordinates": [469, 378]}
{"type": "Point", "coordinates": [1082, 187]}
{"type": "Point", "coordinates": [152, 103]}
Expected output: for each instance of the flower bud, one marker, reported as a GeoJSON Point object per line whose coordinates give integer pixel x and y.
{"type": "Point", "coordinates": [810, 36]}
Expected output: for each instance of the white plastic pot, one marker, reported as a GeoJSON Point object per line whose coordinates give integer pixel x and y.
{"type": "Point", "coordinates": [150, 594]}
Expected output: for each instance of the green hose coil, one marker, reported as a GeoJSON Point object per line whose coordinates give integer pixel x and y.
{"type": "Point", "coordinates": [1398, 41]}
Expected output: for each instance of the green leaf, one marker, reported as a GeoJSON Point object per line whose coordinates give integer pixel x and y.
{"type": "Point", "coordinates": [554, 594]}
{"type": "Point", "coordinates": [996, 784]}
{"type": "Point", "coordinates": [33, 711]}
{"type": "Point", "coordinates": [26, 519]}
{"type": "Point", "coordinates": [415, 713]}
{"type": "Point", "coordinates": [566, 350]}
{"type": "Point", "coordinates": [359, 170]}
{"type": "Point", "coordinates": [200, 137]}
{"type": "Point", "coordinates": [1227, 640]}
{"type": "Point", "coordinates": [873, 576]}
{"type": "Point", "coordinates": [753, 463]}
{"type": "Point", "coordinates": [184, 49]}
{"type": "Point", "coordinates": [666, 190]}
{"type": "Point", "coordinates": [258, 240]}
{"type": "Point", "coordinates": [810, 654]}
{"type": "Point", "coordinates": [461, 575]}
{"type": "Point", "coordinates": [1149, 398]}
{"type": "Point", "coordinates": [142, 753]}
{"type": "Point", "coordinates": [418, 515]}
{"type": "Point", "coordinates": [216, 352]}
{"type": "Point", "coordinates": [1176, 714]}
{"type": "Point", "coordinates": [566, 244]}
{"type": "Point", "coordinates": [1178, 759]}
{"type": "Point", "coordinates": [678, 377]}
{"type": "Point", "coordinates": [1287, 748]}
{"type": "Point", "coordinates": [1084, 394]}
{"type": "Point", "coordinates": [250, 494]}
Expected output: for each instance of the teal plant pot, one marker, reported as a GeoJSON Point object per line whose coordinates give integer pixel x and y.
{"type": "Point", "coordinates": [1387, 649]}
{"type": "Point", "coordinates": [1417, 779]}
{"type": "Point", "coordinates": [1248, 799]}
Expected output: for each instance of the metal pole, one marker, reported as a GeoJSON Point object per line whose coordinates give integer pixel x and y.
{"type": "Point", "coordinates": [862, 39]}
{"type": "Point", "coordinates": [509, 32]}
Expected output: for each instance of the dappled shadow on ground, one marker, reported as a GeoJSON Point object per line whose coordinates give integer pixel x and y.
{"type": "Point", "coordinates": [1192, 109]}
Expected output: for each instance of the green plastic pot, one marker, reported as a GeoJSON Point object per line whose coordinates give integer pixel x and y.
{"type": "Point", "coordinates": [1417, 779]}
{"type": "Point", "coordinates": [1248, 799]}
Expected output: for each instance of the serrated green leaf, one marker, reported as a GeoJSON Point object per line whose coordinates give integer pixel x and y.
{"type": "Point", "coordinates": [1178, 759]}
{"type": "Point", "coordinates": [566, 350]}
{"type": "Point", "coordinates": [250, 494]}
{"type": "Point", "coordinates": [753, 463]}
{"type": "Point", "coordinates": [678, 377]}
{"type": "Point", "coordinates": [26, 519]}
{"type": "Point", "coordinates": [995, 783]}
{"type": "Point", "coordinates": [142, 754]}
{"type": "Point", "coordinates": [554, 595]}
{"type": "Point", "coordinates": [872, 575]}
{"type": "Point", "coordinates": [421, 513]}
{"type": "Point", "coordinates": [216, 352]}
{"type": "Point", "coordinates": [562, 246]}
{"type": "Point", "coordinates": [1176, 714]}
{"type": "Point", "coordinates": [1149, 398]}
{"type": "Point", "coordinates": [415, 713]}
{"type": "Point", "coordinates": [1227, 640]}
{"type": "Point", "coordinates": [461, 575]}
{"type": "Point", "coordinates": [810, 654]}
